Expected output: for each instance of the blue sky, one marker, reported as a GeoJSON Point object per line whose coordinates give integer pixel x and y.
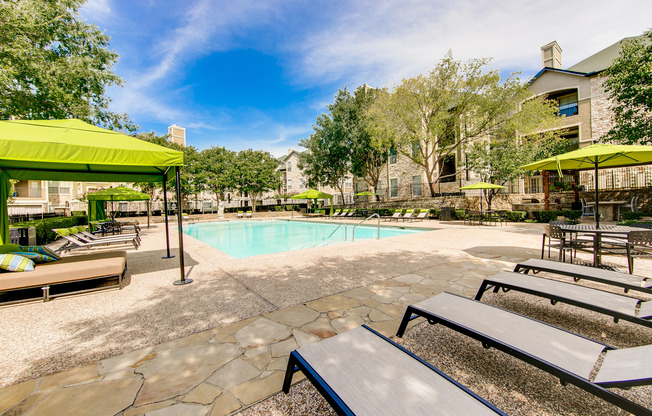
{"type": "Point", "coordinates": [256, 74]}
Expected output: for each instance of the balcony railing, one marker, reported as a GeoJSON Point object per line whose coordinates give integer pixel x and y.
{"type": "Point", "coordinates": [568, 110]}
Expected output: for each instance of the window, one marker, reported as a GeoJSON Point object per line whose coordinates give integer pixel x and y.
{"type": "Point", "coordinates": [289, 169]}
{"type": "Point", "coordinates": [289, 184]}
{"type": "Point", "coordinates": [53, 187]}
{"type": "Point", "coordinates": [302, 183]}
{"type": "Point", "coordinates": [392, 156]}
{"type": "Point", "coordinates": [448, 171]}
{"type": "Point", "coordinates": [416, 186]}
{"type": "Point", "coordinates": [416, 149]}
{"type": "Point", "coordinates": [64, 188]}
{"type": "Point", "coordinates": [568, 105]}
{"type": "Point", "coordinates": [348, 183]}
{"type": "Point", "coordinates": [35, 189]}
{"type": "Point", "coordinates": [393, 187]}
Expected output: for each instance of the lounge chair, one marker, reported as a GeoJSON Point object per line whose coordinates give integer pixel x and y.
{"type": "Point", "coordinates": [577, 272]}
{"type": "Point", "coordinates": [240, 213]}
{"type": "Point", "coordinates": [361, 372]}
{"type": "Point", "coordinates": [408, 215]}
{"type": "Point", "coordinates": [395, 216]}
{"type": "Point", "coordinates": [422, 215]}
{"type": "Point", "coordinates": [608, 303]}
{"type": "Point", "coordinates": [335, 214]}
{"type": "Point", "coordinates": [74, 243]}
{"type": "Point", "coordinates": [88, 237]}
{"type": "Point", "coordinates": [565, 355]}
{"type": "Point", "coordinates": [345, 213]}
{"type": "Point", "coordinates": [248, 214]}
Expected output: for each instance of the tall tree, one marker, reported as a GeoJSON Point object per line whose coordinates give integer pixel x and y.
{"type": "Point", "coordinates": [54, 65]}
{"type": "Point", "coordinates": [630, 87]}
{"type": "Point", "coordinates": [329, 159]}
{"type": "Point", "coordinates": [429, 117]}
{"type": "Point", "coordinates": [367, 157]}
{"type": "Point", "coordinates": [217, 170]}
{"type": "Point", "coordinates": [255, 172]}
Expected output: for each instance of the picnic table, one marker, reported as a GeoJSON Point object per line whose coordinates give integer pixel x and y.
{"type": "Point", "coordinates": [613, 231]}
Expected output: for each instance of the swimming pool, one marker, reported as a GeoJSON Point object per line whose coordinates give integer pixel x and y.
{"type": "Point", "coordinates": [252, 238]}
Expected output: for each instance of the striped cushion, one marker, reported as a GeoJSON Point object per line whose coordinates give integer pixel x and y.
{"type": "Point", "coordinates": [62, 231]}
{"type": "Point", "coordinates": [35, 257]}
{"type": "Point", "coordinates": [9, 248]}
{"type": "Point", "coordinates": [41, 249]}
{"type": "Point", "coordinates": [15, 263]}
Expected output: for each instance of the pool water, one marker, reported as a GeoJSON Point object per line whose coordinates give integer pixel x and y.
{"type": "Point", "coordinates": [252, 238]}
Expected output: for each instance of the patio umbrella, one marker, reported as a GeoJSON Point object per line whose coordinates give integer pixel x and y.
{"type": "Point", "coordinates": [314, 194]}
{"type": "Point", "coordinates": [121, 193]}
{"type": "Point", "coordinates": [365, 193]}
{"type": "Point", "coordinates": [482, 186]}
{"type": "Point", "coordinates": [593, 158]}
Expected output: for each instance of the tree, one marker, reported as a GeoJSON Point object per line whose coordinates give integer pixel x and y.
{"type": "Point", "coordinates": [429, 117]}
{"type": "Point", "coordinates": [329, 158]}
{"type": "Point", "coordinates": [217, 170]}
{"type": "Point", "coordinates": [367, 157]}
{"type": "Point", "coordinates": [54, 65]}
{"type": "Point", "coordinates": [255, 172]}
{"type": "Point", "coordinates": [630, 87]}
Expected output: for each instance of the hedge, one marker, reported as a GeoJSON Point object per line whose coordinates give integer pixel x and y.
{"type": "Point", "coordinates": [631, 216]}
{"type": "Point", "coordinates": [515, 216]}
{"type": "Point", "coordinates": [545, 216]}
{"type": "Point", "coordinates": [44, 233]}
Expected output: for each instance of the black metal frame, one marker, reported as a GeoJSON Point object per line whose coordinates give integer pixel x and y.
{"type": "Point", "coordinates": [525, 268]}
{"type": "Point", "coordinates": [489, 284]}
{"type": "Point", "coordinates": [563, 375]}
{"type": "Point", "coordinates": [297, 363]}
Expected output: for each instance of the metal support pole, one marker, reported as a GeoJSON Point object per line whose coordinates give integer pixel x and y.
{"type": "Point", "coordinates": [182, 267]}
{"type": "Point", "coordinates": [165, 213]}
{"type": "Point", "coordinates": [596, 214]}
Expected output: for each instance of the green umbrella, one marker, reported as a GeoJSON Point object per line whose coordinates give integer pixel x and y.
{"type": "Point", "coordinates": [365, 193]}
{"type": "Point", "coordinates": [593, 158]}
{"type": "Point", "coordinates": [314, 194]}
{"type": "Point", "coordinates": [97, 199]}
{"type": "Point", "coordinates": [482, 186]}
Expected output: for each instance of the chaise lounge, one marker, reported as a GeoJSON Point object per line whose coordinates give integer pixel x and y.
{"type": "Point", "coordinates": [360, 372]}
{"type": "Point", "coordinates": [570, 357]}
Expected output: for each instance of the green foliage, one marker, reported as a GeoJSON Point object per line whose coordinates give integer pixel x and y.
{"type": "Point", "coordinates": [217, 170]}
{"type": "Point", "coordinates": [515, 216]}
{"type": "Point", "coordinates": [430, 116]}
{"type": "Point", "coordinates": [545, 216]}
{"type": "Point", "coordinates": [77, 213]}
{"type": "Point", "coordinates": [631, 216]}
{"type": "Point", "coordinates": [44, 233]}
{"type": "Point", "coordinates": [630, 87]}
{"type": "Point", "coordinates": [255, 172]}
{"type": "Point", "coordinates": [460, 214]}
{"type": "Point", "coordinates": [573, 215]}
{"type": "Point", "coordinates": [53, 65]}
{"type": "Point", "coordinates": [435, 212]}
{"type": "Point", "coordinates": [329, 159]}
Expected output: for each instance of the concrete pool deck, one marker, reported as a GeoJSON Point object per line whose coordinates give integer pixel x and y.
{"type": "Point", "coordinates": [221, 343]}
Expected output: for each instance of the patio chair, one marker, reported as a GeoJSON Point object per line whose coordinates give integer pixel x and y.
{"type": "Point", "coordinates": [408, 215]}
{"type": "Point", "coordinates": [73, 243]}
{"type": "Point", "coordinates": [88, 237]}
{"type": "Point", "coordinates": [608, 303]}
{"type": "Point", "coordinates": [240, 213]}
{"type": "Point", "coordinates": [335, 214]}
{"type": "Point", "coordinates": [394, 216]}
{"type": "Point", "coordinates": [578, 272]}
{"type": "Point", "coordinates": [554, 237]}
{"type": "Point", "coordinates": [473, 215]}
{"type": "Point", "coordinates": [587, 210]}
{"type": "Point", "coordinates": [568, 356]}
{"type": "Point", "coordinates": [422, 215]}
{"type": "Point", "coordinates": [498, 217]}
{"type": "Point", "coordinates": [632, 207]}
{"type": "Point", "coordinates": [362, 372]}
{"type": "Point", "coordinates": [248, 214]}
{"type": "Point", "coordinates": [638, 244]}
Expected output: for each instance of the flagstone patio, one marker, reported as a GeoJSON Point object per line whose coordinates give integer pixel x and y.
{"type": "Point", "coordinates": [221, 370]}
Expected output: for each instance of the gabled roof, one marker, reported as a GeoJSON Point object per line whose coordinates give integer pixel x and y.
{"type": "Point", "coordinates": [603, 59]}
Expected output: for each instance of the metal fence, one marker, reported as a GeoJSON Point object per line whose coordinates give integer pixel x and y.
{"type": "Point", "coordinates": [627, 178]}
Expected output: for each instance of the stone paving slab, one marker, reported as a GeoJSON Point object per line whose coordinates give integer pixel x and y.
{"type": "Point", "coordinates": [220, 371]}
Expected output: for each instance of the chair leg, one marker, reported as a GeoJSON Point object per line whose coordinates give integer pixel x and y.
{"type": "Point", "coordinates": [630, 260]}
{"type": "Point", "coordinates": [543, 246]}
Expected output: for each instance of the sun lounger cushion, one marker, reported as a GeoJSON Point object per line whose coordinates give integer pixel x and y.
{"type": "Point", "coordinates": [15, 263]}
{"type": "Point", "coordinates": [40, 249]}
{"type": "Point", "coordinates": [373, 376]}
{"type": "Point", "coordinates": [68, 269]}
{"type": "Point", "coordinates": [37, 258]}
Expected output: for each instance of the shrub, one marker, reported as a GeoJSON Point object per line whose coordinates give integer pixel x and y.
{"type": "Point", "coordinates": [435, 213]}
{"type": "Point", "coordinates": [628, 216]}
{"type": "Point", "coordinates": [572, 215]}
{"type": "Point", "coordinates": [515, 216]}
{"type": "Point", "coordinates": [44, 233]}
{"type": "Point", "coordinates": [460, 214]}
{"type": "Point", "coordinates": [545, 216]}
{"type": "Point", "coordinates": [77, 213]}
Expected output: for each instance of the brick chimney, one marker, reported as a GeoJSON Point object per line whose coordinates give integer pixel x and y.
{"type": "Point", "coordinates": [551, 55]}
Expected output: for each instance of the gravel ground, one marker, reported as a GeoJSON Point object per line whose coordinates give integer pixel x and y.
{"type": "Point", "coordinates": [512, 385]}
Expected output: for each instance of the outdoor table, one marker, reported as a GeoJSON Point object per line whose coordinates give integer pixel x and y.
{"type": "Point", "coordinates": [618, 231]}
{"type": "Point", "coordinates": [609, 209]}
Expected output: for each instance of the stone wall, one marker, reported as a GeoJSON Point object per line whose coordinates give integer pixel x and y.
{"type": "Point", "coordinates": [601, 113]}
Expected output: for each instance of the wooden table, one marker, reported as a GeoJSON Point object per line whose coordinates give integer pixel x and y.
{"type": "Point", "coordinates": [617, 231]}
{"type": "Point", "coordinates": [608, 209]}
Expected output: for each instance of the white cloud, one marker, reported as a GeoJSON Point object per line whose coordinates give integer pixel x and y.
{"type": "Point", "coordinates": [380, 42]}
{"type": "Point", "coordinates": [96, 10]}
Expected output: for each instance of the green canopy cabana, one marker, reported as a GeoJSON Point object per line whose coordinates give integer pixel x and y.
{"type": "Point", "coordinates": [482, 186]}
{"type": "Point", "coordinates": [97, 199]}
{"type": "Point", "coordinates": [71, 150]}
{"type": "Point", "coordinates": [315, 194]}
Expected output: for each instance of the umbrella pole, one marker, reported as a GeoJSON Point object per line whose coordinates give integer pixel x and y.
{"type": "Point", "coordinates": [165, 208]}
{"type": "Point", "coordinates": [597, 211]}
{"type": "Point", "coordinates": [182, 266]}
